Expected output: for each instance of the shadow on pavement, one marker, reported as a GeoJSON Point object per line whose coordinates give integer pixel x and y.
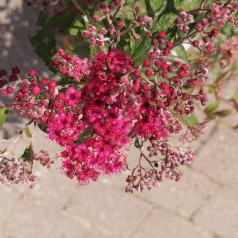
{"type": "Point", "coordinates": [17, 23]}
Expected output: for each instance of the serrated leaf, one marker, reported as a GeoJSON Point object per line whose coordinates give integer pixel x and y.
{"type": "Point", "coordinates": [190, 121]}
{"type": "Point", "coordinates": [26, 156]}
{"type": "Point", "coordinates": [132, 43]}
{"type": "Point", "coordinates": [42, 18]}
{"type": "Point", "coordinates": [42, 127]}
{"type": "Point", "coordinates": [28, 132]}
{"type": "Point", "coordinates": [181, 52]}
{"type": "Point", "coordinates": [78, 23]}
{"type": "Point", "coordinates": [93, 51]}
{"type": "Point", "coordinates": [126, 12]}
{"type": "Point", "coordinates": [73, 31]}
{"type": "Point", "coordinates": [44, 42]}
{"type": "Point", "coordinates": [211, 108]}
{"type": "Point", "coordinates": [44, 52]}
{"type": "Point", "coordinates": [156, 5]}
{"type": "Point", "coordinates": [165, 22]}
{"type": "Point", "coordinates": [228, 30]}
{"type": "Point", "coordinates": [141, 50]}
{"type": "Point", "coordinates": [81, 47]}
{"type": "Point", "coordinates": [3, 115]}
{"type": "Point", "coordinates": [149, 9]}
{"type": "Point", "coordinates": [187, 4]}
{"type": "Point", "coordinates": [137, 143]}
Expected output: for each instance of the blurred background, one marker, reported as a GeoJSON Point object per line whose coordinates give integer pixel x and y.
{"type": "Point", "coordinates": [203, 204]}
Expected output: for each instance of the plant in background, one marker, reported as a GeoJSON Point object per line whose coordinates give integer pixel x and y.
{"type": "Point", "coordinates": [131, 73]}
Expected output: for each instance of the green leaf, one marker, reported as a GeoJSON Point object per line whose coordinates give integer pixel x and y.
{"type": "Point", "coordinates": [165, 23]}
{"type": "Point", "coordinates": [43, 127]}
{"type": "Point", "coordinates": [126, 12]}
{"type": "Point", "coordinates": [28, 133]}
{"type": "Point", "coordinates": [42, 17]}
{"type": "Point", "coordinates": [44, 52]}
{"type": "Point", "coordinates": [93, 51]}
{"type": "Point", "coordinates": [137, 143]}
{"type": "Point", "coordinates": [44, 42]}
{"type": "Point", "coordinates": [209, 110]}
{"type": "Point", "coordinates": [181, 52]}
{"type": "Point", "coordinates": [149, 9]}
{"type": "Point", "coordinates": [81, 47]}
{"type": "Point", "coordinates": [228, 30]}
{"type": "Point", "coordinates": [73, 31]}
{"type": "Point", "coordinates": [132, 43]}
{"type": "Point", "coordinates": [78, 23]}
{"type": "Point", "coordinates": [156, 5]}
{"type": "Point", "coordinates": [187, 4]}
{"type": "Point", "coordinates": [27, 154]}
{"type": "Point", "coordinates": [190, 120]}
{"type": "Point", "coordinates": [141, 50]}
{"type": "Point", "coordinates": [3, 115]}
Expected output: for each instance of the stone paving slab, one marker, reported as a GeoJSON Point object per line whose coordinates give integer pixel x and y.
{"type": "Point", "coordinates": [53, 189]}
{"type": "Point", "coordinates": [164, 224]}
{"type": "Point", "coordinates": [220, 214]}
{"type": "Point", "coordinates": [8, 203]}
{"type": "Point", "coordinates": [99, 209]}
{"type": "Point", "coordinates": [218, 159]}
{"type": "Point", "coordinates": [109, 208]}
{"type": "Point", "coordinates": [183, 197]}
{"type": "Point", "coordinates": [31, 220]}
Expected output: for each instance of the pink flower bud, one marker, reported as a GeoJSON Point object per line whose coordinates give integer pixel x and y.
{"type": "Point", "coordinates": [36, 90]}
{"type": "Point", "coordinates": [32, 73]}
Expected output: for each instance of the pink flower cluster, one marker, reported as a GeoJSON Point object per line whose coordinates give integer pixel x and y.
{"type": "Point", "coordinates": [101, 114]}
{"type": "Point", "coordinates": [112, 102]}
{"type": "Point", "coordinates": [13, 171]}
{"type": "Point", "coordinates": [222, 13]}
{"type": "Point", "coordinates": [229, 52]}
{"type": "Point", "coordinates": [97, 123]}
{"type": "Point", "coordinates": [71, 65]}
{"type": "Point", "coordinates": [44, 158]}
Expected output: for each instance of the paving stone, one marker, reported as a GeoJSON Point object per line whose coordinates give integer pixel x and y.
{"type": "Point", "coordinates": [208, 131]}
{"type": "Point", "coordinates": [17, 22]}
{"type": "Point", "coordinates": [108, 208]}
{"type": "Point", "coordinates": [164, 224]}
{"type": "Point", "coordinates": [30, 220]}
{"type": "Point", "coordinates": [51, 185]}
{"type": "Point", "coordinates": [229, 88]}
{"type": "Point", "coordinates": [183, 197]}
{"type": "Point", "coordinates": [39, 140]}
{"type": "Point", "coordinates": [220, 214]}
{"type": "Point", "coordinates": [53, 188]}
{"type": "Point", "coordinates": [8, 203]}
{"type": "Point", "coordinates": [218, 158]}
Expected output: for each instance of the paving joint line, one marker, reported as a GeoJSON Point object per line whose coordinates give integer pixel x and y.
{"type": "Point", "coordinates": [141, 222]}
{"type": "Point", "coordinates": [217, 236]}
{"type": "Point", "coordinates": [191, 217]}
{"type": "Point", "coordinates": [210, 135]}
